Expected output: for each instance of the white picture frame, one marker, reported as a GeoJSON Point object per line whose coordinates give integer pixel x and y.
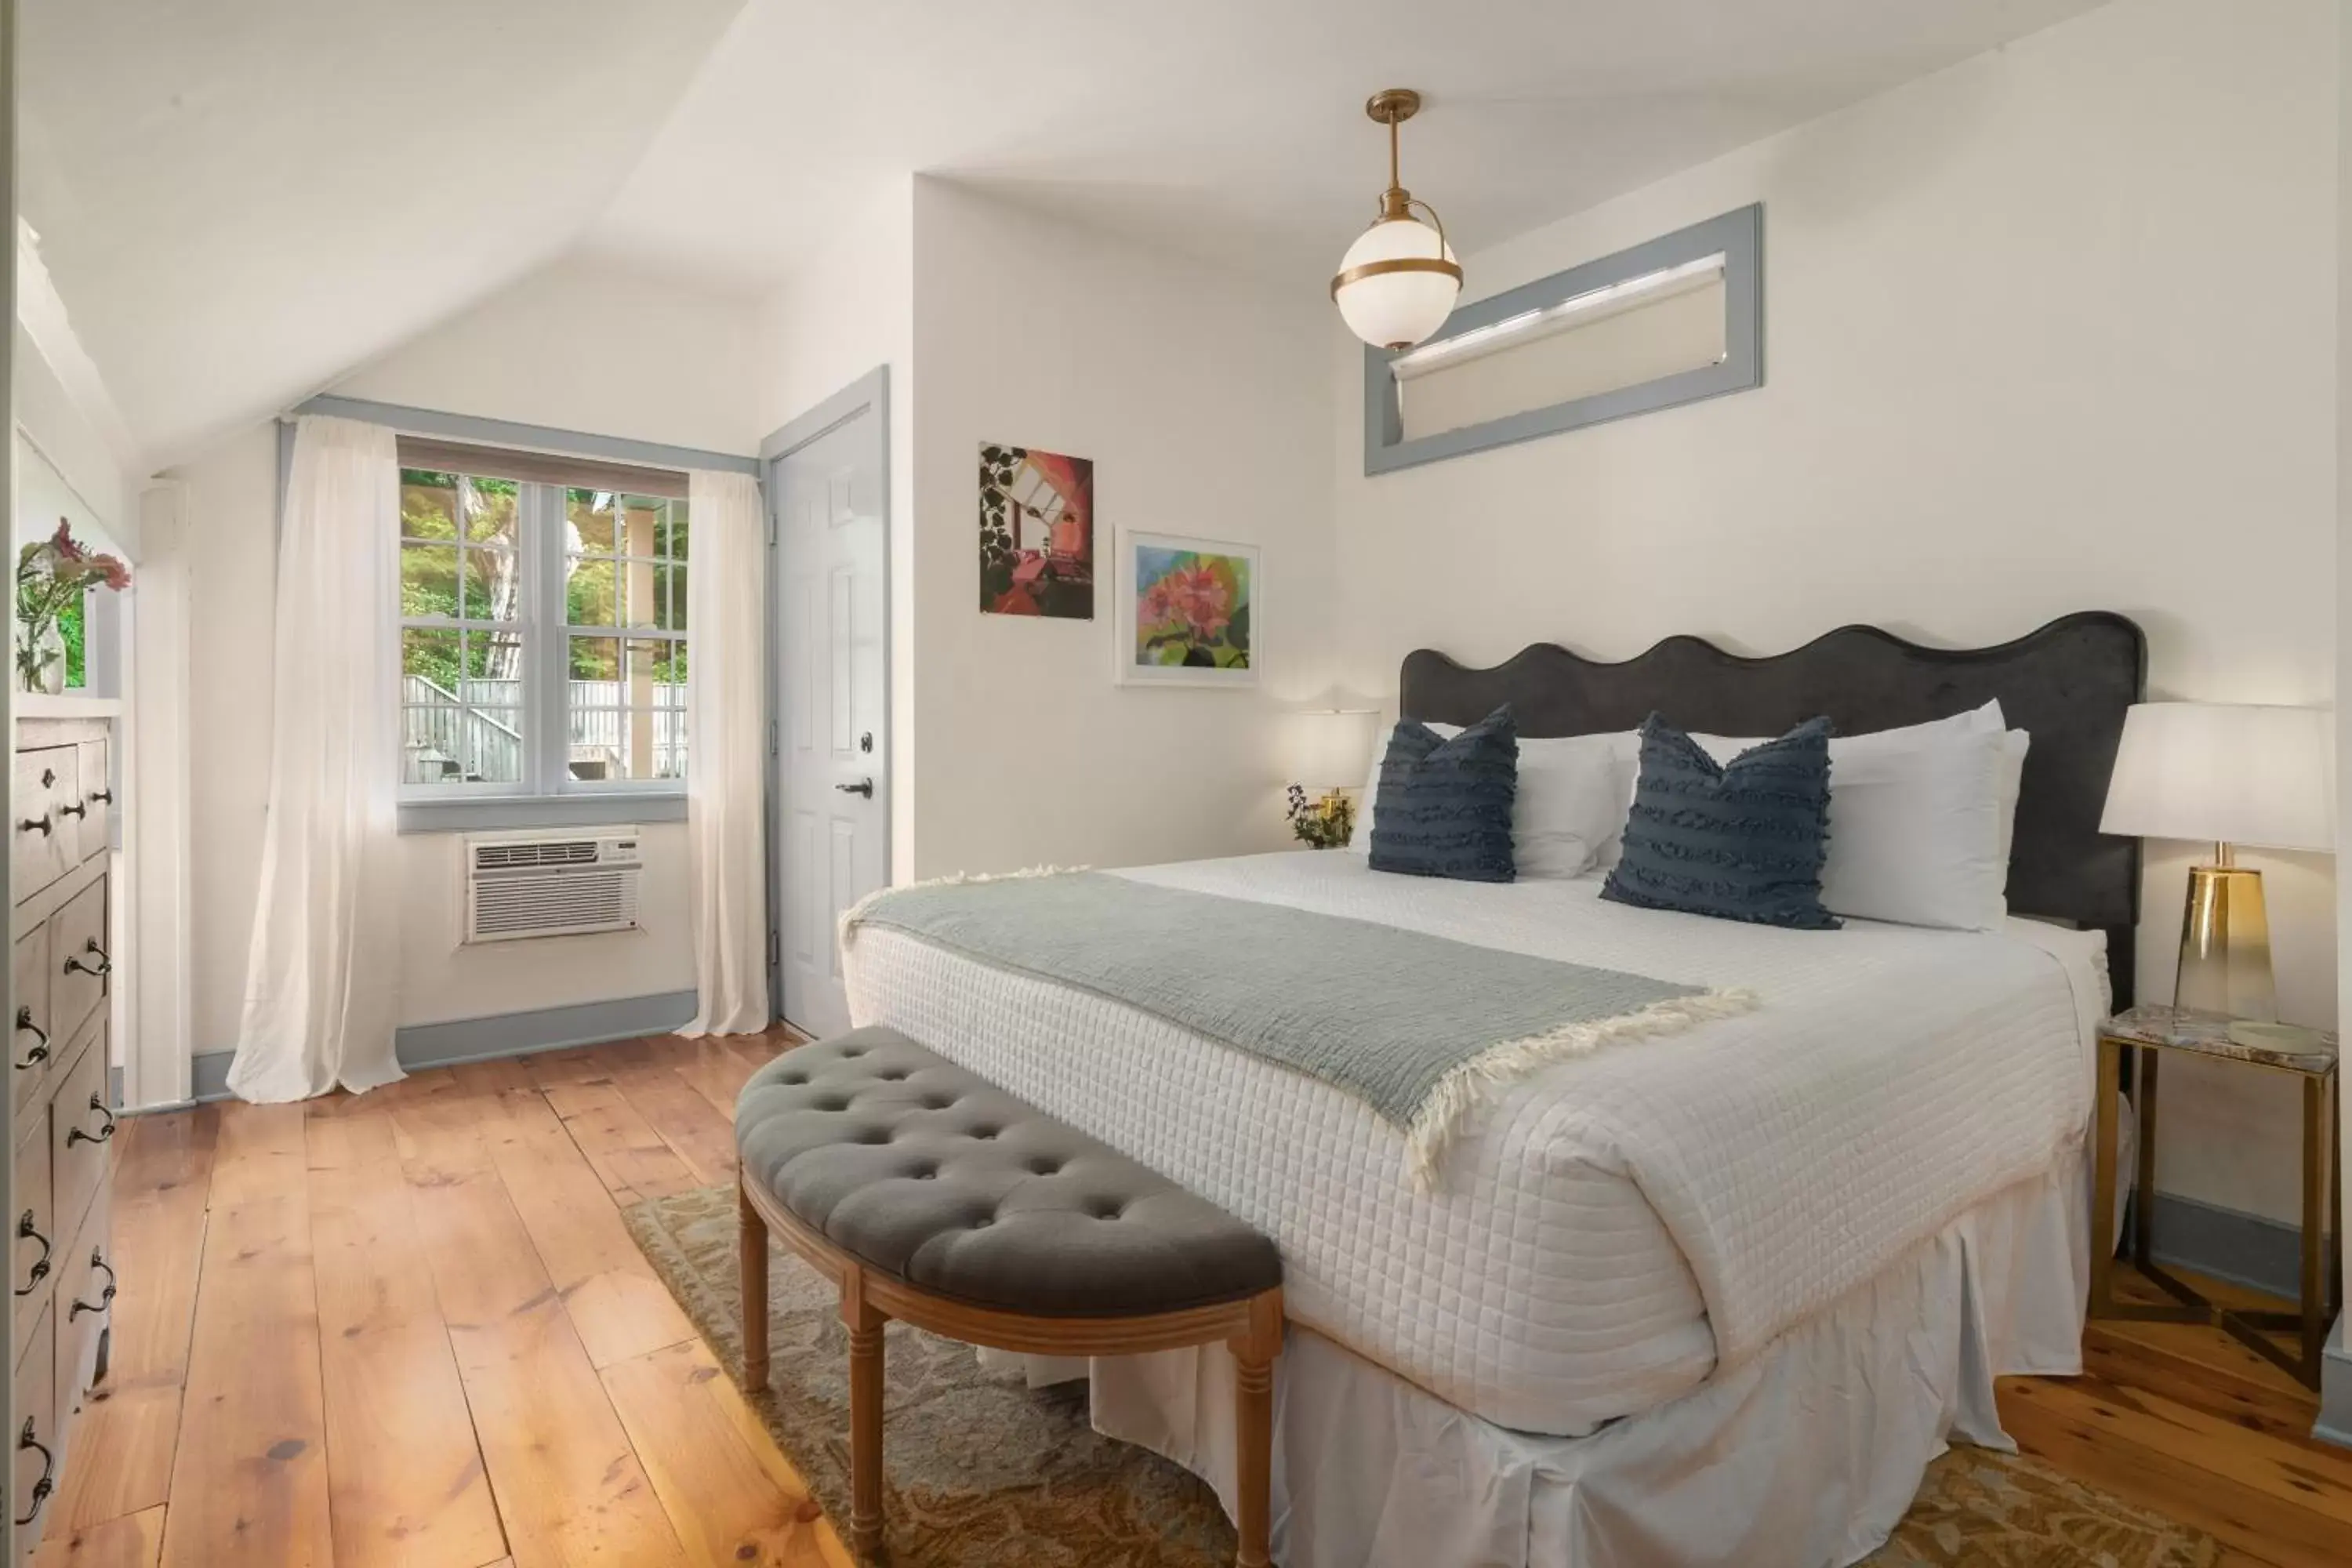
{"type": "Point", "coordinates": [1135, 552]}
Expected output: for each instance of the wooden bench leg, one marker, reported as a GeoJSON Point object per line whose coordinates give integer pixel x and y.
{"type": "Point", "coordinates": [1254, 1354]}
{"type": "Point", "coordinates": [752, 1250]}
{"type": "Point", "coordinates": [865, 1324]}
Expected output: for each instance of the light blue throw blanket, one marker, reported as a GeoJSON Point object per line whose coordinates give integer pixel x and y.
{"type": "Point", "coordinates": [1415, 1026]}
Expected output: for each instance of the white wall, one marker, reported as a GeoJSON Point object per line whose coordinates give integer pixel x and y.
{"type": "Point", "coordinates": [848, 309]}
{"type": "Point", "coordinates": [2040, 335]}
{"type": "Point", "coordinates": [2343, 595]}
{"type": "Point", "coordinates": [581, 348]}
{"type": "Point", "coordinates": [79, 474]}
{"type": "Point", "coordinates": [1197, 394]}
{"type": "Point", "coordinates": [585, 345]}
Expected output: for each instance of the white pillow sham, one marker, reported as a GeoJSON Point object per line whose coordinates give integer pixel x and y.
{"type": "Point", "coordinates": [1920, 819]}
{"type": "Point", "coordinates": [1566, 805]}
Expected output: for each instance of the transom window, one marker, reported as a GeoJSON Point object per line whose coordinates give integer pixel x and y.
{"type": "Point", "coordinates": [542, 625]}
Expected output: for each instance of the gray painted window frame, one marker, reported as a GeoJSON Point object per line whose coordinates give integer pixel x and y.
{"type": "Point", "coordinates": [1739, 235]}
{"type": "Point", "coordinates": [611, 804]}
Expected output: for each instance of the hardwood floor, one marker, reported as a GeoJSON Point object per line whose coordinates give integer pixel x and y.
{"type": "Point", "coordinates": [409, 1328]}
{"type": "Point", "coordinates": [2190, 1423]}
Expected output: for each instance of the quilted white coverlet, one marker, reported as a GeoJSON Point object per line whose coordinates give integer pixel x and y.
{"type": "Point", "coordinates": [1610, 1229]}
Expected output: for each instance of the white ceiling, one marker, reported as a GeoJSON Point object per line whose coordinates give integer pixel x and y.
{"type": "Point", "coordinates": [241, 199]}
{"type": "Point", "coordinates": [1237, 127]}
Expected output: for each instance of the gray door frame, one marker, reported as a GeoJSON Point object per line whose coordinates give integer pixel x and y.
{"type": "Point", "coordinates": [869, 392]}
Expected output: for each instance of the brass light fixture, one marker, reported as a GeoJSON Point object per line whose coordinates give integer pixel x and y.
{"type": "Point", "coordinates": [1398, 282]}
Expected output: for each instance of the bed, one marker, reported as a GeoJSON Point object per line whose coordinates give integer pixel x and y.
{"type": "Point", "coordinates": [1871, 1182]}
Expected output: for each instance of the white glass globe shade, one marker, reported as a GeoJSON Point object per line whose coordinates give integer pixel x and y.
{"type": "Point", "coordinates": [1397, 310]}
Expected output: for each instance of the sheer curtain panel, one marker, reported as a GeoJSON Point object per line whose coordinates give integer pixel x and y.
{"type": "Point", "coordinates": [319, 989]}
{"type": "Point", "coordinates": [726, 755]}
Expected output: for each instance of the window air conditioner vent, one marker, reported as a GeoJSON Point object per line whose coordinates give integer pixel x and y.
{"type": "Point", "coordinates": [552, 884]}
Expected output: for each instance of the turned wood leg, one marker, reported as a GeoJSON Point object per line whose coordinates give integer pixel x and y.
{"type": "Point", "coordinates": [1254, 1354]}
{"type": "Point", "coordinates": [752, 1250]}
{"type": "Point", "coordinates": [864, 1325]}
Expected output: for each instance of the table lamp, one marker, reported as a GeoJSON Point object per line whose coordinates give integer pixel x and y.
{"type": "Point", "coordinates": [1336, 742]}
{"type": "Point", "coordinates": [2230, 774]}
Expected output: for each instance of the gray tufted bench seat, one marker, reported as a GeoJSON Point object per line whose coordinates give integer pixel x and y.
{"type": "Point", "coordinates": [930, 1197]}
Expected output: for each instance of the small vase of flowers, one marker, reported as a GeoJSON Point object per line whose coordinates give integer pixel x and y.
{"type": "Point", "coordinates": [53, 575]}
{"type": "Point", "coordinates": [1325, 824]}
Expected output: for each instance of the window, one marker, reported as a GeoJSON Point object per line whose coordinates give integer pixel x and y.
{"type": "Point", "coordinates": [1665, 323]}
{"type": "Point", "coordinates": [542, 626]}
{"type": "Point", "coordinates": [625, 622]}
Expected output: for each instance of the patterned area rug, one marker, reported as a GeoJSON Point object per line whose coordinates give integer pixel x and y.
{"type": "Point", "coordinates": [984, 1472]}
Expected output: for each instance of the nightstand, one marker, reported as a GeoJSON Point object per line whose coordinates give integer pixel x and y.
{"type": "Point", "coordinates": [2149, 1032]}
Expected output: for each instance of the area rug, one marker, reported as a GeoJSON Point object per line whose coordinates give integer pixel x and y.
{"type": "Point", "coordinates": [984, 1472]}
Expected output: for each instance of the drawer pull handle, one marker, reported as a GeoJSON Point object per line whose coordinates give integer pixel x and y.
{"type": "Point", "coordinates": [24, 1232]}
{"type": "Point", "coordinates": [39, 824]}
{"type": "Point", "coordinates": [77, 809]}
{"type": "Point", "coordinates": [49, 777]}
{"type": "Point", "coordinates": [49, 1481]}
{"type": "Point", "coordinates": [103, 1134]}
{"type": "Point", "coordinates": [106, 796]}
{"type": "Point", "coordinates": [105, 1296]}
{"type": "Point", "coordinates": [40, 1051]}
{"type": "Point", "coordinates": [105, 965]}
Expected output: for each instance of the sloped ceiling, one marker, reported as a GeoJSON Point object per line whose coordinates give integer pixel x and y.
{"type": "Point", "coordinates": [1235, 129]}
{"type": "Point", "coordinates": [239, 199]}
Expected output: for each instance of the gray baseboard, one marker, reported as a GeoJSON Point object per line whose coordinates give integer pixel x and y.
{"type": "Point", "coordinates": [501, 1034]}
{"type": "Point", "coordinates": [2247, 1249]}
{"type": "Point", "coordinates": [2335, 1424]}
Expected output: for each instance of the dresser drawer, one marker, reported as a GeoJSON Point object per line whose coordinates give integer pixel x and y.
{"type": "Point", "coordinates": [34, 1475]}
{"type": "Point", "coordinates": [82, 1306]}
{"type": "Point", "coordinates": [33, 1257]}
{"type": "Point", "coordinates": [42, 844]}
{"type": "Point", "coordinates": [79, 964]}
{"type": "Point", "coordinates": [80, 1131]}
{"type": "Point", "coordinates": [30, 1047]}
{"type": "Point", "coordinates": [94, 780]}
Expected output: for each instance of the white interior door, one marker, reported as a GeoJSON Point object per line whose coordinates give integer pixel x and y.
{"type": "Point", "coordinates": [833, 782]}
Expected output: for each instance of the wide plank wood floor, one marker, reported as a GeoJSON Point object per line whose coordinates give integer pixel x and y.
{"type": "Point", "coordinates": [2190, 1423]}
{"type": "Point", "coordinates": [409, 1329]}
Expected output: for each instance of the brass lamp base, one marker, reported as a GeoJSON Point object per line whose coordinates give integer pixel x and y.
{"type": "Point", "coordinates": [2225, 944]}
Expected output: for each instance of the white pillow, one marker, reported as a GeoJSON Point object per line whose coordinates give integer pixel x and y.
{"type": "Point", "coordinates": [1566, 805]}
{"type": "Point", "coordinates": [1919, 819]}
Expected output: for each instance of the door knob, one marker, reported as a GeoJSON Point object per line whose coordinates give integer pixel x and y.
{"type": "Point", "coordinates": [863, 786]}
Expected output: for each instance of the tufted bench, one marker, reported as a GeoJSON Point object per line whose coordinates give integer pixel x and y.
{"type": "Point", "coordinates": [930, 1196]}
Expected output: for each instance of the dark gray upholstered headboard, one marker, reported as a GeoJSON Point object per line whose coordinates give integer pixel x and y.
{"type": "Point", "coordinates": [2067, 685]}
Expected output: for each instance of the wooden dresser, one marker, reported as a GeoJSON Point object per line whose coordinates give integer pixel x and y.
{"type": "Point", "coordinates": [62, 820]}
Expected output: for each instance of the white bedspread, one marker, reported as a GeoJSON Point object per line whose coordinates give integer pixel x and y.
{"type": "Point", "coordinates": [1611, 1230]}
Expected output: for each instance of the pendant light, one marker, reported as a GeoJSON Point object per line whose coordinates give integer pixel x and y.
{"type": "Point", "coordinates": [1398, 282]}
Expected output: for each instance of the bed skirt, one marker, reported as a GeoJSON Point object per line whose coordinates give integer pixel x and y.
{"type": "Point", "coordinates": [1807, 1456]}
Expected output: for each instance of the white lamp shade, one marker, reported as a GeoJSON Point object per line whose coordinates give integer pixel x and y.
{"type": "Point", "coordinates": [2226, 772]}
{"type": "Point", "coordinates": [1333, 744]}
{"type": "Point", "coordinates": [1397, 310]}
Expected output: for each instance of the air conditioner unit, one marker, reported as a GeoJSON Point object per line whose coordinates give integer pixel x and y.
{"type": "Point", "coordinates": [551, 884]}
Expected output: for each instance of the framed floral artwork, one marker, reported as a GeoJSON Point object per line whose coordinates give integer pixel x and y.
{"type": "Point", "coordinates": [1188, 611]}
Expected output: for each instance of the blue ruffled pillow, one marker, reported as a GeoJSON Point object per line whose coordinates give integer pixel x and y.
{"type": "Point", "coordinates": [1445, 806]}
{"type": "Point", "coordinates": [1739, 842]}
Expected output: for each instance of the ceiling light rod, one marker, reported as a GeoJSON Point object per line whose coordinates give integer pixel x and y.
{"type": "Point", "coordinates": [1398, 282]}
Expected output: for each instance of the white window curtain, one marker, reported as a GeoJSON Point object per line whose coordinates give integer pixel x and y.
{"type": "Point", "coordinates": [321, 982]}
{"type": "Point", "coordinates": [726, 755]}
